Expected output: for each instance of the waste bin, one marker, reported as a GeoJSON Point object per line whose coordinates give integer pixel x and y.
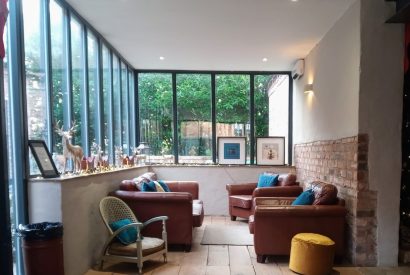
{"type": "Point", "coordinates": [42, 245]}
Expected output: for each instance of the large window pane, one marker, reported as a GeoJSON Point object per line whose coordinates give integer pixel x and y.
{"type": "Point", "coordinates": [124, 108]}
{"type": "Point", "coordinates": [106, 99]}
{"type": "Point", "coordinates": [155, 99]}
{"type": "Point", "coordinates": [194, 118]}
{"type": "Point", "coordinates": [92, 53]}
{"type": "Point", "coordinates": [232, 107]}
{"type": "Point", "coordinates": [6, 81]}
{"type": "Point", "coordinates": [117, 102]}
{"type": "Point", "coordinates": [77, 76]}
{"type": "Point", "coordinates": [131, 108]}
{"type": "Point", "coordinates": [35, 74]}
{"type": "Point", "coordinates": [59, 72]}
{"type": "Point", "coordinates": [272, 107]}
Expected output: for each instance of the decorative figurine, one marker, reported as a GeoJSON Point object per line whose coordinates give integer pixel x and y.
{"type": "Point", "coordinates": [70, 151]}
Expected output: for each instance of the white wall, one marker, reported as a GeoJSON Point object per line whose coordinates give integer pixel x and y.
{"type": "Point", "coordinates": [357, 73]}
{"type": "Point", "coordinates": [331, 112]}
{"type": "Point", "coordinates": [213, 180]}
{"type": "Point", "coordinates": [380, 116]}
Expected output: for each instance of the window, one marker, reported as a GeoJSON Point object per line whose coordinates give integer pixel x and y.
{"type": "Point", "coordinates": [155, 106]}
{"type": "Point", "coordinates": [117, 102]}
{"type": "Point", "coordinates": [194, 118]}
{"type": "Point", "coordinates": [132, 108]}
{"type": "Point", "coordinates": [59, 72]}
{"type": "Point", "coordinates": [124, 108]}
{"type": "Point", "coordinates": [107, 101]}
{"type": "Point", "coordinates": [36, 93]}
{"type": "Point", "coordinates": [272, 107]}
{"type": "Point", "coordinates": [92, 52]}
{"type": "Point", "coordinates": [232, 107]}
{"type": "Point", "coordinates": [77, 73]}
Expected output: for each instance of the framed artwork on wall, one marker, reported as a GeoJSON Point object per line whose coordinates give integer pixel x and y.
{"type": "Point", "coordinates": [43, 158]}
{"type": "Point", "coordinates": [231, 150]}
{"type": "Point", "coordinates": [270, 151]}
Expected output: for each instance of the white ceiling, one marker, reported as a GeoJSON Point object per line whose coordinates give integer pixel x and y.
{"type": "Point", "coordinates": [212, 34]}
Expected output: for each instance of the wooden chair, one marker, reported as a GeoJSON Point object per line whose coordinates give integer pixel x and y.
{"type": "Point", "coordinates": [144, 248]}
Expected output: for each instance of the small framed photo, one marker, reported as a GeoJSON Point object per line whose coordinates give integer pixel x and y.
{"type": "Point", "coordinates": [43, 158]}
{"type": "Point", "coordinates": [231, 150]}
{"type": "Point", "coordinates": [270, 151]}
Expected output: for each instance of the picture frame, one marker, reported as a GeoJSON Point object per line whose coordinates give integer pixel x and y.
{"type": "Point", "coordinates": [232, 150]}
{"type": "Point", "coordinates": [270, 151]}
{"type": "Point", "coordinates": [43, 158]}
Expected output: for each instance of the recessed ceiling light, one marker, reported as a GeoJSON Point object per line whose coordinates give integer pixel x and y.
{"type": "Point", "coordinates": [264, 59]}
{"type": "Point", "coordinates": [161, 58]}
{"type": "Point", "coordinates": [294, 0]}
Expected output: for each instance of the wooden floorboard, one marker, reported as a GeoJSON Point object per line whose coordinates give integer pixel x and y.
{"type": "Point", "coordinates": [224, 259]}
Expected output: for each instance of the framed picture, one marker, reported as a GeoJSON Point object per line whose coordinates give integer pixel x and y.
{"type": "Point", "coordinates": [43, 158]}
{"type": "Point", "coordinates": [231, 150]}
{"type": "Point", "coordinates": [270, 151]}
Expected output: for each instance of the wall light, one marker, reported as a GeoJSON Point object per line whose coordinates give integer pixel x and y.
{"type": "Point", "coordinates": [308, 88]}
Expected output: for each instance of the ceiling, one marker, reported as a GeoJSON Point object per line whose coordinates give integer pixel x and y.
{"type": "Point", "coordinates": [212, 34]}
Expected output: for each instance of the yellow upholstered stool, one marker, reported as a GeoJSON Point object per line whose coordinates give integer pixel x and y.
{"type": "Point", "coordinates": [311, 254]}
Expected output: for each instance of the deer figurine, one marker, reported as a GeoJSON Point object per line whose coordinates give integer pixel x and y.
{"type": "Point", "coordinates": [70, 151]}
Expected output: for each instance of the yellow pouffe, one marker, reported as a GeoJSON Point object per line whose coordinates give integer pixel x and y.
{"type": "Point", "coordinates": [311, 254]}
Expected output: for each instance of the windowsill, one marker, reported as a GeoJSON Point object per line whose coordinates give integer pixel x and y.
{"type": "Point", "coordinates": [68, 177]}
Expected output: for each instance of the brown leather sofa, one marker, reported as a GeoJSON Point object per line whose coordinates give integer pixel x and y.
{"type": "Point", "coordinates": [241, 195]}
{"type": "Point", "coordinates": [276, 221]}
{"type": "Point", "coordinates": [181, 205]}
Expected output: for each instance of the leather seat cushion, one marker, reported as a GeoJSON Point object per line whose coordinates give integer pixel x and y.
{"type": "Point", "coordinates": [241, 201]}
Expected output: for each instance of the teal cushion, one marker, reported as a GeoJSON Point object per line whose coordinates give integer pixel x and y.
{"type": "Point", "coordinates": [164, 186]}
{"type": "Point", "coordinates": [306, 198]}
{"type": "Point", "coordinates": [267, 180]}
{"type": "Point", "coordinates": [127, 236]}
{"type": "Point", "coordinates": [148, 187]}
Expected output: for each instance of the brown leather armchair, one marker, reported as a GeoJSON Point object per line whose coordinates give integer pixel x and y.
{"type": "Point", "coordinates": [276, 221]}
{"type": "Point", "coordinates": [242, 195]}
{"type": "Point", "coordinates": [181, 205]}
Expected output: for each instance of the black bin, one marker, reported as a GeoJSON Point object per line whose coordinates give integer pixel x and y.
{"type": "Point", "coordinates": [42, 245]}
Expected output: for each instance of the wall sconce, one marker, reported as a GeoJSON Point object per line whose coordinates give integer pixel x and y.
{"type": "Point", "coordinates": [308, 88]}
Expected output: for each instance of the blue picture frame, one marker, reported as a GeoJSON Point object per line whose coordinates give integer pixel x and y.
{"type": "Point", "coordinates": [231, 150]}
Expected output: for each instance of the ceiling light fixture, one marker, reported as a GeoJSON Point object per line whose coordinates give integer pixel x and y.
{"type": "Point", "coordinates": [264, 59]}
{"type": "Point", "coordinates": [161, 58]}
{"type": "Point", "coordinates": [294, 0]}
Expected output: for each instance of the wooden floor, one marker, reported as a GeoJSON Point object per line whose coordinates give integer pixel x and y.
{"type": "Point", "coordinates": [224, 259]}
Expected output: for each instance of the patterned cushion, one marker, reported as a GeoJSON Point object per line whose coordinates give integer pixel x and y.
{"type": "Point", "coordinates": [326, 195]}
{"type": "Point", "coordinates": [241, 201]}
{"type": "Point", "coordinates": [146, 177]}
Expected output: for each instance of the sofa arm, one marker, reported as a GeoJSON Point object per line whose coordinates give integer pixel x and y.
{"type": "Point", "coordinates": [240, 189]}
{"type": "Point", "coordinates": [278, 191]}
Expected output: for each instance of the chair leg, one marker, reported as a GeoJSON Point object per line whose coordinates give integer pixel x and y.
{"type": "Point", "coordinates": [261, 259]}
{"type": "Point", "coordinates": [187, 248]}
{"type": "Point", "coordinates": [101, 265]}
{"type": "Point", "coordinates": [165, 257]}
{"type": "Point", "coordinates": [233, 218]}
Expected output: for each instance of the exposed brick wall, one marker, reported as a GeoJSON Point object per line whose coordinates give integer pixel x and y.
{"type": "Point", "coordinates": [343, 162]}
